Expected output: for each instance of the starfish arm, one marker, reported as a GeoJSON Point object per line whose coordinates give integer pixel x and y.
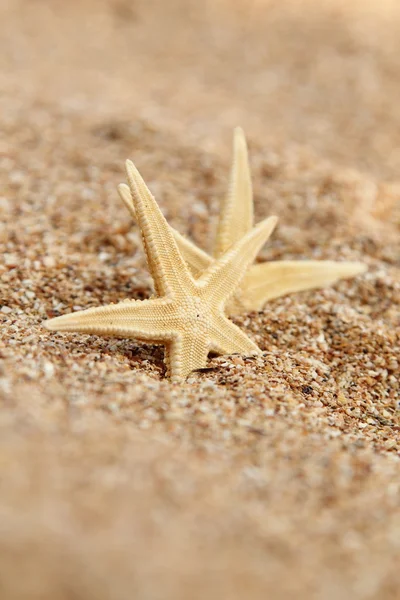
{"type": "Point", "coordinates": [196, 259]}
{"type": "Point", "coordinates": [140, 319]}
{"type": "Point", "coordinates": [126, 197]}
{"type": "Point", "coordinates": [186, 353]}
{"type": "Point", "coordinates": [166, 263]}
{"type": "Point", "coordinates": [269, 280]}
{"type": "Point", "coordinates": [223, 277]}
{"type": "Point", "coordinates": [239, 303]}
{"type": "Point", "coordinates": [228, 338]}
{"type": "Point", "coordinates": [237, 208]}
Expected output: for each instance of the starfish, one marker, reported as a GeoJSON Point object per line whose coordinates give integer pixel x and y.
{"type": "Point", "coordinates": [187, 316]}
{"type": "Point", "coordinates": [263, 281]}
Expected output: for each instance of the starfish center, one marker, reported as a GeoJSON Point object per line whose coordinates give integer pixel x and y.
{"type": "Point", "coordinates": [195, 311]}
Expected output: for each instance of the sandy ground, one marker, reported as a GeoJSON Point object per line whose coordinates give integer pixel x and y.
{"type": "Point", "coordinates": [277, 477]}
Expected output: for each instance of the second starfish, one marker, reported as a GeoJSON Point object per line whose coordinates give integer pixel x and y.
{"type": "Point", "coordinates": [263, 281]}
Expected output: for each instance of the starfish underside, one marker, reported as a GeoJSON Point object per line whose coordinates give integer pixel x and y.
{"type": "Point", "coordinates": [187, 316]}
{"type": "Point", "coordinates": [263, 281]}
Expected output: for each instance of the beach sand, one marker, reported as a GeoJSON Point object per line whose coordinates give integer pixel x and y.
{"type": "Point", "coordinates": [272, 477]}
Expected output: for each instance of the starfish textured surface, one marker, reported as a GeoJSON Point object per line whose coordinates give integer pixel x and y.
{"type": "Point", "coordinates": [263, 281]}
{"type": "Point", "coordinates": [188, 314]}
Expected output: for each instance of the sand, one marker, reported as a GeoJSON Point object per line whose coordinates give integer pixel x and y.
{"type": "Point", "coordinates": [272, 477]}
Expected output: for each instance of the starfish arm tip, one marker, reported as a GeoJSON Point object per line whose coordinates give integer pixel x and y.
{"type": "Point", "coordinates": [63, 323]}
{"type": "Point", "coordinates": [50, 325]}
{"type": "Point", "coordinates": [130, 168]}
{"type": "Point", "coordinates": [238, 131]}
{"type": "Point", "coordinates": [126, 197]}
{"type": "Point", "coordinates": [123, 189]}
{"type": "Point", "coordinates": [360, 268]}
{"type": "Point", "coordinates": [349, 268]}
{"type": "Point", "coordinates": [130, 171]}
{"type": "Point", "coordinates": [274, 220]}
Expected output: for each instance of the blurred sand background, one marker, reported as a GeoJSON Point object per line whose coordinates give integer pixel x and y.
{"type": "Point", "coordinates": [277, 477]}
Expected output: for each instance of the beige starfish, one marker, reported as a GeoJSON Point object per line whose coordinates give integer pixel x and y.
{"type": "Point", "coordinates": [188, 314]}
{"type": "Point", "coordinates": [263, 281]}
